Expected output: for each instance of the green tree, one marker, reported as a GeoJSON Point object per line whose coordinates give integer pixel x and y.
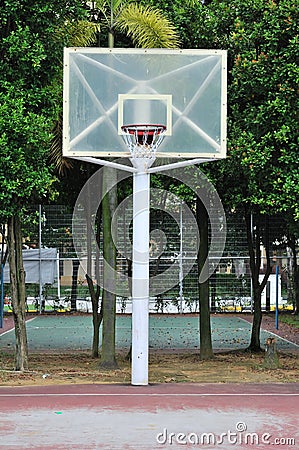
{"type": "Point", "coordinates": [29, 65]}
{"type": "Point", "coordinates": [260, 175]}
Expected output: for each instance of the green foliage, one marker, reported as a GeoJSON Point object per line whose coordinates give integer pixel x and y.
{"type": "Point", "coordinates": [134, 23]}
{"type": "Point", "coordinates": [262, 41]}
{"type": "Point", "coordinates": [147, 26]}
{"type": "Point", "coordinates": [187, 16]}
{"type": "Point", "coordinates": [81, 33]}
{"type": "Point", "coordinates": [23, 176]}
{"type": "Point", "coordinates": [31, 53]}
{"type": "Point", "coordinates": [290, 320]}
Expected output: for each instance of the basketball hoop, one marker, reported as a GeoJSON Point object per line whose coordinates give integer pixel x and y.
{"type": "Point", "coordinates": [143, 140]}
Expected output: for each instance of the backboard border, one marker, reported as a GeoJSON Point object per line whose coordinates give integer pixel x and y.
{"type": "Point", "coordinates": [177, 155]}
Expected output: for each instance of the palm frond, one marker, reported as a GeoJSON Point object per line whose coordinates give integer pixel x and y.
{"type": "Point", "coordinates": [147, 27]}
{"type": "Point", "coordinates": [83, 33]}
{"type": "Point", "coordinates": [79, 33]}
{"type": "Point", "coordinates": [61, 164]}
{"type": "Point", "coordinates": [191, 3]}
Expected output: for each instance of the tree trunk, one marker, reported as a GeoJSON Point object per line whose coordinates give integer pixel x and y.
{"type": "Point", "coordinates": [271, 360]}
{"type": "Point", "coordinates": [95, 292]}
{"type": "Point", "coordinates": [74, 292]}
{"type": "Point", "coordinates": [255, 345]}
{"type": "Point", "coordinates": [295, 267]}
{"type": "Point", "coordinates": [206, 349]}
{"type": "Point", "coordinates": [4, 255]}
{"type": "Point", "coordinates": [296, 283]}
{"type": "Point", "coordinates": [109, 203]}
{"type": "Point", "coordinates": [18, 291]}
{"type": "Point", "coordinates": [97, 316]}
{"type": "Point", "coordinates": [254, 248]}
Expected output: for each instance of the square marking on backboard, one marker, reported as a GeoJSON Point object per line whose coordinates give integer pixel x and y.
{"type": "Point", "coordinates": [165, 100]}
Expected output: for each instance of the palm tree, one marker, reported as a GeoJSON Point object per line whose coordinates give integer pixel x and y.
{"type": "Point", "coordinates": [145, 25]}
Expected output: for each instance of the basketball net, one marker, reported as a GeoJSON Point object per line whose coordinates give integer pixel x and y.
{"type": "Point", "coordinates": [143, 140]}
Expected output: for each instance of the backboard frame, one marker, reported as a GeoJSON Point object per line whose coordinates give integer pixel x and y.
{"type": "Point", "coordinates": [71, 151]}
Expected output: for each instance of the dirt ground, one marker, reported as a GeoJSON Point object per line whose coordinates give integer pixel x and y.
{"type": "Point", "coordinates": [165, 367]}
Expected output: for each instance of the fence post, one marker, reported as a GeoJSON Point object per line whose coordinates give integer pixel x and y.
{"type": "Point", "coordinates": [40, 257]}
{"type": "Point", "coordinates": [276, 308]}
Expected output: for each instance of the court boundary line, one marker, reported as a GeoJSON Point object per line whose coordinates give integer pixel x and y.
{"type": "Point", "coordinates": [8, 331]}
{"type": "Point", "coordinates": [276, 335]}
{"type": "Point", "coordinates": [151, 394]}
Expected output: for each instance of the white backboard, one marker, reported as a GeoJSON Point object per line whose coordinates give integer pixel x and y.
{"type": "Point", "coordinates": [182, 89]}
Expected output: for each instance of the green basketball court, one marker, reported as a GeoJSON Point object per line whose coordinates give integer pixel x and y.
{"type": "Point", "coordinates": [167, 332]}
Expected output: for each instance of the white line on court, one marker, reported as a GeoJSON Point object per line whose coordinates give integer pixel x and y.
{"type": "Point", "coordinates": [153, 395]}
{"type": "Point", "coordinates": [9, 331]}
{"type": "Point", "coordinates": [276, 335]}
{"type": "Point", "coordinates": [283, 339]}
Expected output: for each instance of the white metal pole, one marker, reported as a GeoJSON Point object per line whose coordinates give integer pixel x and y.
{"type": "Point", "coordinates": [103, 162]}
{"type": "Point", "coordinates": [177, 165]}
{"type": "Point", "coordinates": [181, 277]}
{"type": "Point", "coordinates": [140, 281]}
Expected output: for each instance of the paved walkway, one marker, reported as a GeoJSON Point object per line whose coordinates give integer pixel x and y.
{"type": "Point", "coordinates": [166, 416]}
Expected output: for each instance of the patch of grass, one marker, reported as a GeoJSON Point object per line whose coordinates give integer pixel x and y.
{"type": "Point", "coordinates": [290, 320]}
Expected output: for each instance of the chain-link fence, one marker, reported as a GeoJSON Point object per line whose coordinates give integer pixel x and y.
{"type": "Point", "coordinates": [173, 264]}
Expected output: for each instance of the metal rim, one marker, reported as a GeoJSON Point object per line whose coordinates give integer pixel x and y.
{"type": "Point", "coordinates": [141, 128]}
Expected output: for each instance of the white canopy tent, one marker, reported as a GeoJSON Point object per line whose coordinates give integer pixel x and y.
{"type": "Point", "coordinates": [40, 266]}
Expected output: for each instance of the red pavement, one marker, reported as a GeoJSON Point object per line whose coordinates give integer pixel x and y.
{"type": "Point", "coordinates": [165, 416]}
{"type": "Point", "coordinates": [8, 324]}
{"type": "Point", "coordinates": [149, 417]}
